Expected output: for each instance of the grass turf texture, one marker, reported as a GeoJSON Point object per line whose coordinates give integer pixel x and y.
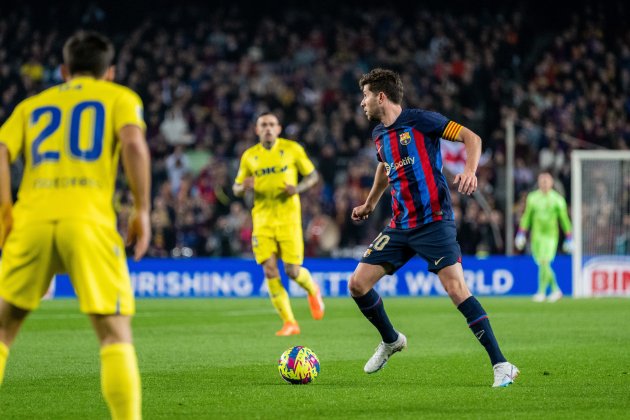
{"type": "Point", "coordinates": [216, 358]}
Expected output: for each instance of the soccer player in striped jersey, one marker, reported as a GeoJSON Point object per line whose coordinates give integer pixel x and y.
{"type": "Point", "coordinates": [71, 137]}
{"type": "Point", "coordinates": [408, 150]}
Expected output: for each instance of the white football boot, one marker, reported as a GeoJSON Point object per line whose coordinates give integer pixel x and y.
{"type": "Point", "coordinates": [538, 297]}
{"type": "Point", "coordinates": [504, 374]}
{"type": "Point", "coordinates": [554, 296]}
{"type": "Point", "coordinates": [383, 353]}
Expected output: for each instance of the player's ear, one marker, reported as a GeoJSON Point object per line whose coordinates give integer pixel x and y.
{"type": "Point", "coordinates": [110, 74]}
{"type": "Point", "coordinates": [65, 72]}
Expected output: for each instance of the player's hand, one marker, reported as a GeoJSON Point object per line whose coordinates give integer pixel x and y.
{"type": "Point", "coordinates": [290, 190]}
{"type": "Point", "coordinates": [467, 182]}
{"type": "Point", "coordinates": [139, 233]}
{"type": "Point", "coordinates": [361, 212]}
{"type": "Point", "coordinates": [567, 246]}
{"type": "Point", "coordinates": [520, 241]}
{"type": "Point", "coordinates": [6, 223]}
{"type": "Point", "coordinates": [248, 183]}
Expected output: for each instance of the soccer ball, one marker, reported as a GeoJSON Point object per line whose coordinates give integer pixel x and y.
{"type": "Point", "coordinates": [298, 365]}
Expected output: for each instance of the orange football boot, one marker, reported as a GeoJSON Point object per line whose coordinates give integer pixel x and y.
{"type": "Point", "coordinates": [288, 328]}
{"type": "Point", "coordinates": [316, 303]}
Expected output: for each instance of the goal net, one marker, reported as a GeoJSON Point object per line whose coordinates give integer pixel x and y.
{"type": "Point", "coordinates": [600, 209]}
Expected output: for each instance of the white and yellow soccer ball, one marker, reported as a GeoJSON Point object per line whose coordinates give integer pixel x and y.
{"type": "Point", "coordinates": [298, 365]}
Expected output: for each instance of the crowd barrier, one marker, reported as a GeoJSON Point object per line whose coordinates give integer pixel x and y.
{"type": "Point", "coordinates": [234, 277]}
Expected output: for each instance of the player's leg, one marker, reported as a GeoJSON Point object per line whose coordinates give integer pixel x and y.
{"type": "Point", "coordinates": [25, 273]}
{"type": "Point", "coordinates": [386, 254]}
{"type": "Point", "coordinates": [120, 376]}
{"type": "Point", "coordinates": [361, 287]}
{"type": "Point", "coordinates": [265, 250]}
{"type": "Point", "coordinates": [303, 277]}
{"type": "Point", "coordinates": [94, 257]}
{"type": "Point", "coordinates": [437, 244]}
{"type": "Point", "coordinates": [11, 319]}
{"type": "Point", "coordinates": [544, 251]}
{"type": "Point", "coordinates": [292, 250]}
{"type": "Point", "coordinates": [279, 297]}
{"type": "Point", "coordinates": [452, 278]}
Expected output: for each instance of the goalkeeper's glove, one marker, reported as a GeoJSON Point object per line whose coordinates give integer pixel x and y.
{"type": "Point", "coordinates": [567, 245]}
{"type": "Point", "coordinates": [520, 240]}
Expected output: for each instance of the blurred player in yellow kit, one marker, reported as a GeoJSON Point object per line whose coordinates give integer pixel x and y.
{"type": "Point", "coordinates": [271, 169]}
{"type": "Point", "coordinates": [71, 137]}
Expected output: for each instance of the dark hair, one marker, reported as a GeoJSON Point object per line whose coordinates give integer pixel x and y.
{"type": "Point", "coordinates": [88, 52]}
{"type": "Point", "coordinates": [386, 81]}
{"type": "Point", "coordinates": [265, 113]}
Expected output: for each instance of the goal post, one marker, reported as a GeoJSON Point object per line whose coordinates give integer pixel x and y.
{"type": "Point", "coordinates": [600, 212]}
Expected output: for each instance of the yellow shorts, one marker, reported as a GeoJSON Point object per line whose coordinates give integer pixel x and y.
{"type": "Point", "coordinates": [284, 241]}
{"type": "Point", "coordinates": [93, 256]}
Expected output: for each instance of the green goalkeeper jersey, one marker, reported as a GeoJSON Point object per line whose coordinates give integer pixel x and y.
{"type": "Point", "coordinates": [542, 213]}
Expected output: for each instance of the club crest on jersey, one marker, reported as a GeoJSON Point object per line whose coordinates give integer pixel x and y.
{"type": "Point", "coordinates": [405, 138]}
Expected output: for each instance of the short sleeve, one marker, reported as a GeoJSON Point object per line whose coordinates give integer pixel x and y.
{"type": "Point", "coordinates": [303, 163]}
{"type": "Point", "coordinates": [13, 131]}
{"type": "Point", "coordinates": [432, 123]}
{"type": "Point", "coordinates": [243, 170]}
{"type": "Point", "coordinates": [128, 110]}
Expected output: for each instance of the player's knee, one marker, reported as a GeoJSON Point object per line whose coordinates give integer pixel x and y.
{"type": "Point", "coordinates": [456, 290]}
{"type": "Point", "coordinates": [292, 270]}
{"type": "Point", "coordinates": [271, 272]}
{"type": "Point", "coordinates": [356, 287]}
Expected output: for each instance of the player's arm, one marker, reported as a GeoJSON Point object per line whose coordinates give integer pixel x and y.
{"type": "Point", "coordinates": [379, 186]}
{"type": "Point", "coordinates": [244, 180]}
{"type": "Point", "coordinates": [306, 168]}
{"type": "Point", "coordinates": [11, 135]}
{"type": "Point", "coordinates": [239, 188]}
{"type": "Point", "coordinates": [136, 162]}
{"type": "Point", "coordinates": [6, 201]}
{"type": "Point", "coordinates": [472, 142]}
{"type": "Point", "coordinates": [524, 225]}
{"type": "Point", "coordinates": [306, 183]}
{"type": "Point", "coordinates": [565, 222]}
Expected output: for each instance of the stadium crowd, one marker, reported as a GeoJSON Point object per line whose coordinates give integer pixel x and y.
{"type": "Point", "coordinates": [205, 74]}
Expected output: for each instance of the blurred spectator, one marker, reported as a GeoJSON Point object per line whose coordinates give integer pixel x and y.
{"type": "Point", "coordinates": [204, 73]}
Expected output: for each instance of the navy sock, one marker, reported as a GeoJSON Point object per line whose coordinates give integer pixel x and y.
{"type": "Point", "coordinates": [372, 307]}
{"type": "Point", "coordinates": [479, 323]}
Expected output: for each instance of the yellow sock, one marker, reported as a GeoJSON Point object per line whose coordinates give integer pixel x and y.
{"type": "Point", "coordinates": [305, 280]}
{"type": "Point", "coordinates": [4, 353]}
{"type": "Point", "coordinates": [280, 299]}
{"type": "Point", "coordinates": [120, 381]}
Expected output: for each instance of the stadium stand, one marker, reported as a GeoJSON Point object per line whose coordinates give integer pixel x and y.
{"type": "Point", "coordinates": [205, 73]}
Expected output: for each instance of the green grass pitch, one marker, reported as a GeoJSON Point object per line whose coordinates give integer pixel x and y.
{"type": "Point", "coordinates": [216, 358]}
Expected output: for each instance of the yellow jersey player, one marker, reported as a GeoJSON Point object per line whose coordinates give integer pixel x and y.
{"type": "Point", "coordinates": [71, 137]}
{"type": "Point", "coordinates": [271, 169]}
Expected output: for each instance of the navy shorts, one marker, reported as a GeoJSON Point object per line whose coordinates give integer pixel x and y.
{"type": "Point", "coordinates": [435, 242]}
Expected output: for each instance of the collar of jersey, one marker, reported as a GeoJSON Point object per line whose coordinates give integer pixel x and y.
{"type": "Point", "coordinates": [81, 79]}
{"type": "Point", "coordinates": [274, 147]}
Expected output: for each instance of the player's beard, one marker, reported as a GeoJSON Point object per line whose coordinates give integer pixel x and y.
{"type": "Point", "coordinates": [268, 140]}
{"type": "Point", "coordinates": [374, 116]}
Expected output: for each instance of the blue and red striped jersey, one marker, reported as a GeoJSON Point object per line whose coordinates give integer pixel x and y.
{"type": "Point", "coordinates": [410, 150]}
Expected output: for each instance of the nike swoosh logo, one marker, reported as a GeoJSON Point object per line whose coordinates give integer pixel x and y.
{"type": "Point", "coordinates": [438, 261]}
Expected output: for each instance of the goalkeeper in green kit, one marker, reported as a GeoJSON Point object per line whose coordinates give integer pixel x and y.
{"type": "Point", "coordinates": [544, 208]}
